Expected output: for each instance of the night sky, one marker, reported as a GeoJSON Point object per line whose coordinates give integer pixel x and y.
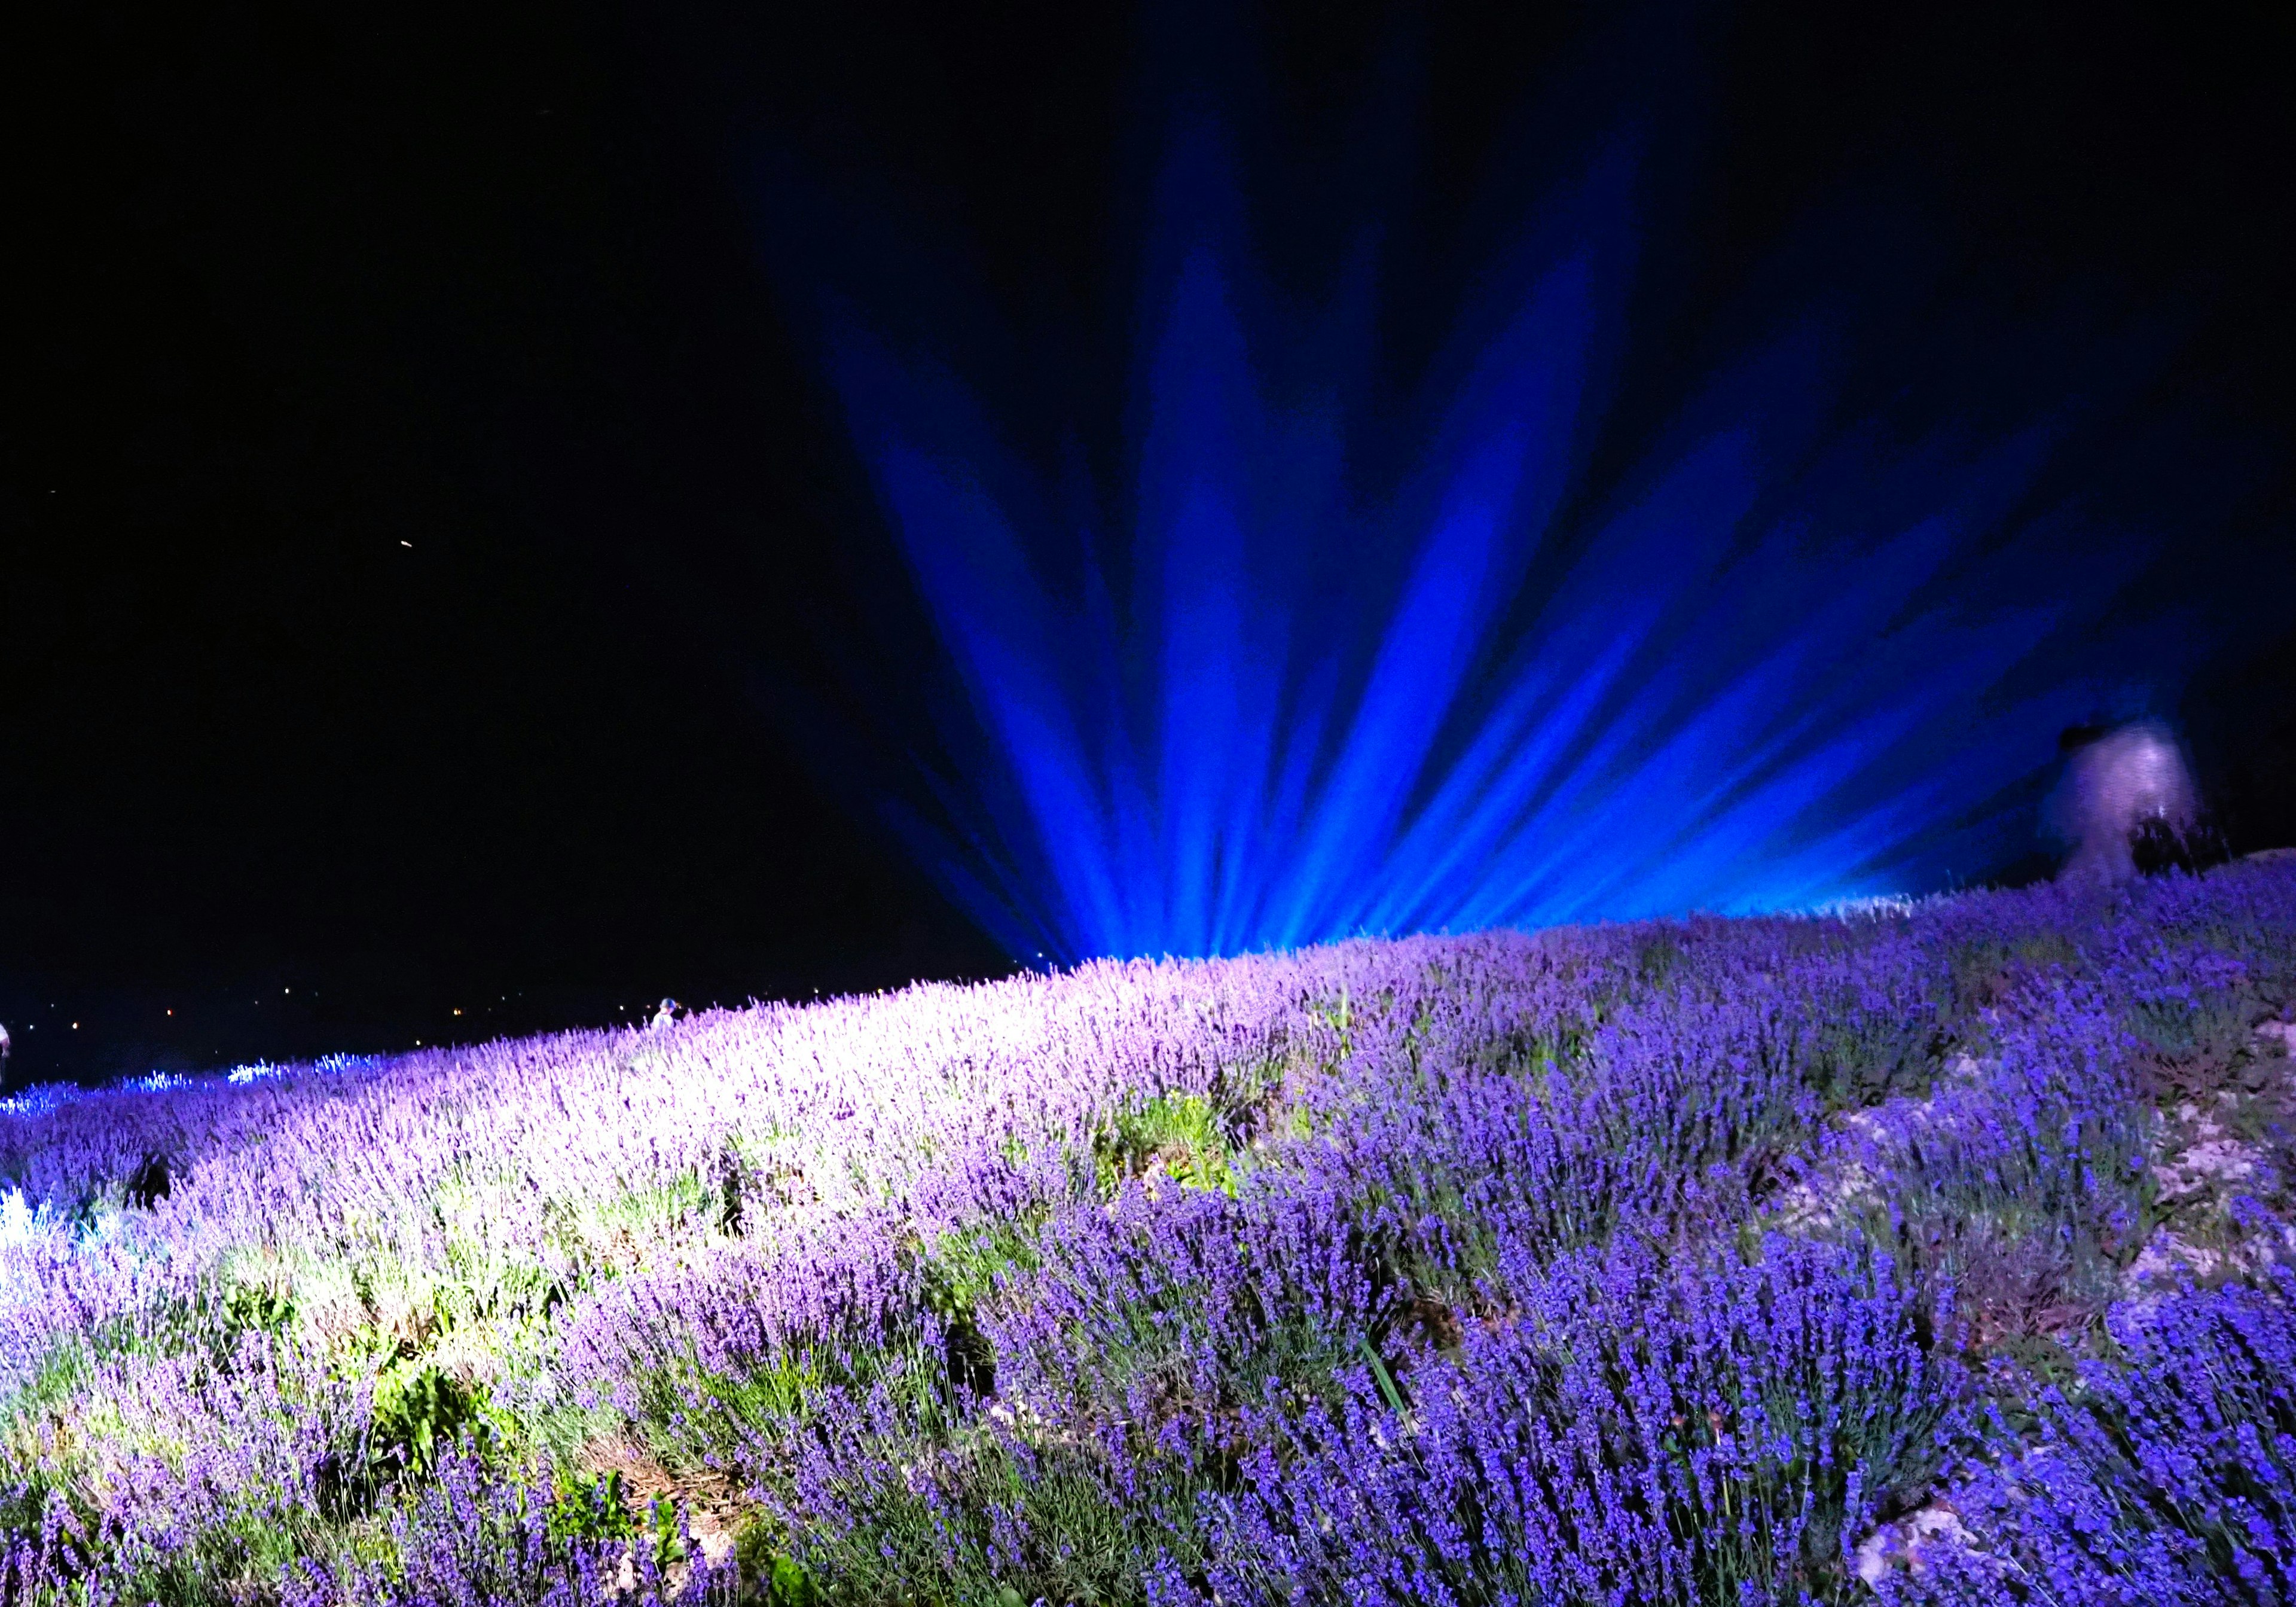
{"type": "Point", "coordinates": [417, 526]}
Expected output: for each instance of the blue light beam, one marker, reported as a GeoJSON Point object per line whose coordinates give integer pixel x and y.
{"type": "Point", "coordinates": [1799, 651]}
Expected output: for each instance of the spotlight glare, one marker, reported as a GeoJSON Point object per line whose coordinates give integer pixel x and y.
{"type": "Point", "coordinates": [1784, 653]}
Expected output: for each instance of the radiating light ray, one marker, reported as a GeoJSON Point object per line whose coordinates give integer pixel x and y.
{"type": "Point", "coordinates": [1792, 653]}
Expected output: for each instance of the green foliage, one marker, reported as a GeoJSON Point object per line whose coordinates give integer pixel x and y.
{"type": "Point", "coordinates": [1535, 1059]}
{"type": "Point", "coordinates": [1338, 1015]}
{"type": "Point", "coordinates": [1081, 1538]}
{"type": "Point", "coordinates": [59, 1377]}
{"type": "Point", "coordinates": [2041, 950]}
{"type": "Point", "coordinates": [259, 1308]}
{"type": "Point", "coordinates": [2027, 1254]}
{"type": "Point", "coordinates": [663, 1532]}
{"type": "Point", "coordinates": [593, 1508]}
{"type": "Point", "coordinates": [684, 1197]}
{"type": "Point", "coordinates": [1179, 1134]}
{"type": "Point", "coordinates": [1979, 975]}
{"type": "Point", "coordinates": [755, 1176]}
{"type": "Point", "coordinates": [31, 1499]}
{"type": "Point", "coordinates": [768, 1575]}
{"type": "Point", "coordinates": [962, 1269]}
{"type": "Point", "coordinates": [2184, 1028]}
{"type": "Point", "coordinates": [691, 1412]}
{"type": "Point", "coordinates": [1862, 1058]}
{"type": "Point", "coordinates": [1659, 958]}
{"type": "Point", "coordinates": [1386, 1380]}
{"type": "Point", "coordinates": [965, 1265]}
{"type": "Point", "coordinates": [420, 1409]}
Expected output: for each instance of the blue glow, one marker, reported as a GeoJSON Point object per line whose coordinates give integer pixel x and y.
{"type": "Point", "coordinates": [1791, 654]}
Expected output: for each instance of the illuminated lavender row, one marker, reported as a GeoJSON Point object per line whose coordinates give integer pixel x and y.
{"type": "Point", "coordinates": [1928, 1252]}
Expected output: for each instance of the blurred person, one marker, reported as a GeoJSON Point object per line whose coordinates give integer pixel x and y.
{"type": "Point", "coordinates": [2125, 788]}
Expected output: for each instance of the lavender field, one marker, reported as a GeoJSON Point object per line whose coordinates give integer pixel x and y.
{"type": "Point", "coordinates": [1931, 1255]}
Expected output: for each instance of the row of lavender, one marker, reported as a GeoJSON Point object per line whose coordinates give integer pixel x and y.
{"type": "Point", "coordinates": [1759, 1260]}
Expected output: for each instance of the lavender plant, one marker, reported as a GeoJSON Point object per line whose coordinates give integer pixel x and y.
{"type": "Point", "coordinates": [2164, 1473]}
{"type": "Point", "coordinates": [1933, 1252]}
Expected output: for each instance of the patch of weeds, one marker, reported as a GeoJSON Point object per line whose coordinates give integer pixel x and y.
{"type": "Point", "coordinates": [1658, 959]}
{"type": "Point", "coordinates": [684, 1197]}
{"type": "Point", "coordinates": [2019, 1275]}
{"type": "Point", "coordinates": [1339, 1015]}
{"type": "Point", "coordinates": [420, 1414]}
{"type": "Point", "coordinates": [1983, 974]}
{"type": "Point", "coordinates": [1448, 1263]}
{"type": "Point", "coordinates": [214, 1320]}
{"type": "Point", "coordinates": [420, 1411]}
{"type": "Point", "coordinates": [961, 1268]}
{"type": "Point", "coordinates": [400, 1317]}
{"type": "Point", "coordinates": [259, 1308]}
{"type": "Point", "coordinates": [595, 1507]}
{"type": "Point", "coordinates": [486, 1284]}
{"type": "Point", "coordinates": [601, 1508]}
{"type": "Point", "coordinates": [1417, 1038]}
{"type": "Point", "coordinates": [2029, 1241]}
{"type": "Point", "coordinates": [2039, 1362]}
{"type": "Point", "coordinates": [769, 1576]}
{"type": "Point", "coordinates": [2190, 1042]}
{"type": "Point", "coordinates": [1534, 1058]}
{"type": "Point", "coordinates": [694, 1416]}
{"type": "Point", "coordinates": [60, 1376]}
{"type": "Point", "coordinates": [1862, 1059]}
{"type": "Point", "coordinates": [2041, 950]}
{"type": "Point", "coordinates": [691, 1414]}
{"type": "Point", "coordinates": [253, 1292]}
{"type": "Point", "coordinates": [486, 1278]}
{"type": "Point", "coordinates": [1303, 1360]}
{"type": "Point", "coordinates": [518, 1293]}
{"type": "Point", "coordinates": [994, 1520]}
{"type": "Point", "coordinates": [1156, 1353]}
{"type": "Point", "coordinates": [56, 1534]}
{"type": "Point", "coordinates": [2255, 1120]}
{"type": "Point", "coordinates": [603, 1237]}
{"type": "Point", "coordinates": [754, 1179]}
{"type": "Point", "coordinates": [2173, 1025]}
{"type": "Point", "coordinates": [1178, 1135]}
{"type": "Point", "coordinates": [238, 1561]}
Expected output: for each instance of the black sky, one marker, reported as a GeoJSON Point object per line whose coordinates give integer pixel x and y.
{"type": "Point", "coordinates": [411, 508]}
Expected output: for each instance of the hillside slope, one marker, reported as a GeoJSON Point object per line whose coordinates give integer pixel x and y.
{"type": "Point", "coordinates": [1936, 1252]}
